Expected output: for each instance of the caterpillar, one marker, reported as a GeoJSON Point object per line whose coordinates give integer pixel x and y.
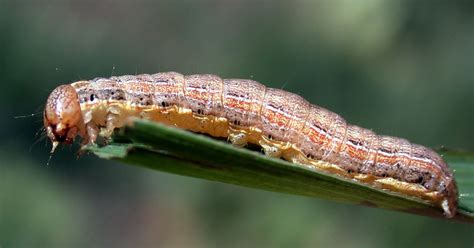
{"type": "Point", "coordinates": [244, 111]}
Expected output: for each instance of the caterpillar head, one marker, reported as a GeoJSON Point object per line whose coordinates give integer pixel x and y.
{"type": "Point", "coordinates": [62, 116]}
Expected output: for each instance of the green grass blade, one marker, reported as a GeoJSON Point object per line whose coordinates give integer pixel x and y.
{"type": "Point", "coordinates": [164, 148]}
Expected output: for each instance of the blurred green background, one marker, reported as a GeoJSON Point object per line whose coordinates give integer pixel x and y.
{"type": "Point", "coordinates": [402, 68]}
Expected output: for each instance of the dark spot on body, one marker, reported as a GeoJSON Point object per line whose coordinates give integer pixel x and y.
{"type": "Point", "coordinates": [419, 180]}
{"type": "Point", "coordinates": [356, 142]}
{"type": "Point", "coordinates": [114, 94]}
{"type": "Point", "coordinates": [385, 150]}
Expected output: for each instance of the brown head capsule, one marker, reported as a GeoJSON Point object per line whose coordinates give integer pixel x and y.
{"type": "Point", "coordinates": [62, 116]}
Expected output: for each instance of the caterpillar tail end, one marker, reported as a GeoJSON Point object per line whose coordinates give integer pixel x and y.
{"type": "Point", "coordinates": [450, 202]}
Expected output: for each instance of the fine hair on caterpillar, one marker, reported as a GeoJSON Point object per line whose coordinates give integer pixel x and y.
{"type": "Point", "coordinates": [246, 112]}
{"type": "Point", "coordinates": [40, 134]}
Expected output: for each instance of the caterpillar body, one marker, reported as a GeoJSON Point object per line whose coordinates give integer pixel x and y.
{"type": "Point", "coordinates": [245, 111]}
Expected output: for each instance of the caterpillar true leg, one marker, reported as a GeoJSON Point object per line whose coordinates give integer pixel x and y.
{"type": "Point", "coordinates": [92, 133]}
{"type": "Point", "coordinates": [111, 122]}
